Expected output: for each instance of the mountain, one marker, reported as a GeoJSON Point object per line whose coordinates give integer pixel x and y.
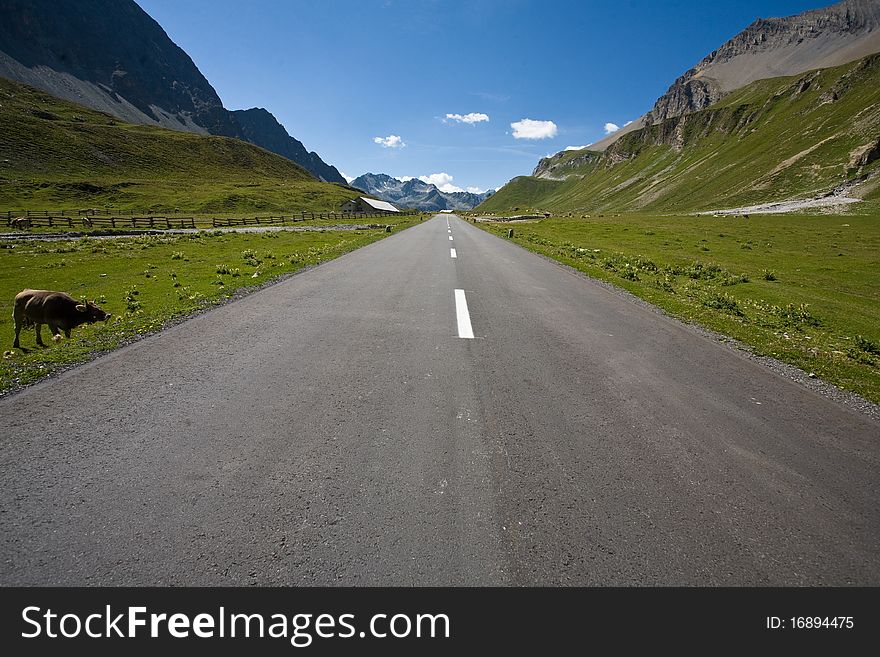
{"type": "Point", "coordinates": [775, 47]}
{"type": "Point", "coordinates": [414, 193]}
{"type": "Point", "coordinates": [260, 127]}
{"type": "Point", "coordinates": [55, 155]}
{"type": "Point", "coordinates": [111, 56]}
{"type": "Point", "coordinates": [772, 47]}
{"type": "Point", "coordinates": [806, 136]}
{"type": "Point", "coordinates": [716, 139]}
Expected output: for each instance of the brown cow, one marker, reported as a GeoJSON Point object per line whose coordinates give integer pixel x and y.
{"type": "Point", "coordinates": [57, 309]}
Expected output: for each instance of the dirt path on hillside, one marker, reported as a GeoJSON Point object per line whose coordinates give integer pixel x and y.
{"type": "Point", "coordinates": [787, 206]}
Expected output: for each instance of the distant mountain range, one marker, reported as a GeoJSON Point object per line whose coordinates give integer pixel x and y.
{"type": "Point", "coordinates": [111, 56]}
{"type": "Point", "coordinates": [414, 193]}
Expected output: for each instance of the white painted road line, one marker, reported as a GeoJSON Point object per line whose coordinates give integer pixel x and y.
{"type": "Point", "coordinates": [450, 238]}
{"type": "Point", "coordinates": [449, 230]}
{"type": "Point", "coordinates": [464, 317]}
{"type": "Point", "coordinates": [452, 253]}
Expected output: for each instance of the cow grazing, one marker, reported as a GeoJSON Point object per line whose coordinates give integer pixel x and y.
{"type": "Point", "coordinates": [57, 309]}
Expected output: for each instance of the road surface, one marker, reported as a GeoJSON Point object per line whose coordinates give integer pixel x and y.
{"type": "Point", "coordinates": [342, 427]}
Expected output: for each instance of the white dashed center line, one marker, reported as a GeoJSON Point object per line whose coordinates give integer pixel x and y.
{"type": "Point", "coordinates": [452, 253]}
{"type": "Point", "coordinates": [450, 238]}
{"type": "Point", "coordinates": [463, 316]}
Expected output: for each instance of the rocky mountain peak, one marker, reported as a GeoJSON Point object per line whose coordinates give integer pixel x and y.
{"type": "Point", "coordinates": [773, 47]}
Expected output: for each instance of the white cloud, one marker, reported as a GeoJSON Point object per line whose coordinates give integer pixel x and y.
{"type": "Point", "coordinates": [575, 148]}
{"type": "Point", "coordinates": [530, 129]}
{"type": "Point", "coordinates": [627, 123]}
{"type": "Point", "coordinates": [391, 141]}
{"type": "Point", "coordinates": [611, 127]}
{"type": "Point", "coordinates": [348, 178]}
{"type": "Point", "coordinates": [472, 118]}
{"type": "Point", "coordinates": [475, 190]}
{"type": "Point", "coordinates": [442, 180]}
{"type": "Point", "coordinates": [404, 178]}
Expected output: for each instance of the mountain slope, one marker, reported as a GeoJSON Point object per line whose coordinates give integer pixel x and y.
{"type": "Point", "coordinates": [414, 193]}
{"type": "Point", "coordinates": [111, 56]}
{"type": "Point", "coordinates": [260, 127]}
{"type": "Point", "coordinates": [772, 140]}
{"type": "Point", "coordinates": [773, 47]}
{"type": "Point", "coordinates": [56, 154]}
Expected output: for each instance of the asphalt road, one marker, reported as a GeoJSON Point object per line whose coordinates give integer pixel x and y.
{"type": "Point", "coordinates": [335, 429]}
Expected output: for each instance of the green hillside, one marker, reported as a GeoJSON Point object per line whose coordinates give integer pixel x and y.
{"type": "Point", "coordinates": [55, 154]}
{"type": "Point", "coordinates": [775, 139]}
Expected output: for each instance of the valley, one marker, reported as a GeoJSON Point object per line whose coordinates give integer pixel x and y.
{"type": "Point", "coordinates": [653, 362]}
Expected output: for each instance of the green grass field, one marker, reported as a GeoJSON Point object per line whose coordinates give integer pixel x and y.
{"type": "Point", "coordinates": [59, 155]}
{"type": "Point", "coordinates": [147, 281]}
{"type": "Point", "coordinates": [803, 289]}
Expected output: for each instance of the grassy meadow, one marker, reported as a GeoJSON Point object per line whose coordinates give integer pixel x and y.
{"type": "Point", "coordinates": [804, 289]}
{"type": "Point", "coordinates": [147, 281]}
{"type": "Point", "coordinates": [56, 154]}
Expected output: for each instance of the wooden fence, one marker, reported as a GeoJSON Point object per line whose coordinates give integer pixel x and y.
{"type": "Point", "coordinates": [50, 221]}
{"type": "Point", "coordinates": [66, 219]}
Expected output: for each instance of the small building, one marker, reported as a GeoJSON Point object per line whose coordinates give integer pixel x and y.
{"type": "Point", "coordinates": [368, 205]}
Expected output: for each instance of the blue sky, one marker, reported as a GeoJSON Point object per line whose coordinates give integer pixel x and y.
{"type": "Point", "coordinates": [368, 84]}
